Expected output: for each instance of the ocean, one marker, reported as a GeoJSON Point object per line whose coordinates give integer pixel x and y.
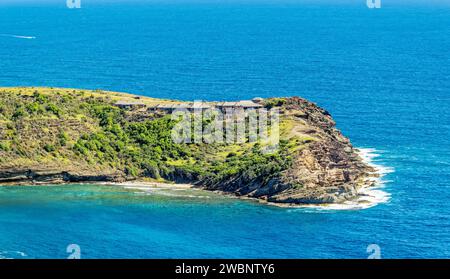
{"type": "Point", "coordinates": [383, 74]}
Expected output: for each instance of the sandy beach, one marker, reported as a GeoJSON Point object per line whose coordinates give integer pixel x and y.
{"type": "Point", "coordinates": [146, 185]}
{"type": "Point", "coordinates": [370, 195]}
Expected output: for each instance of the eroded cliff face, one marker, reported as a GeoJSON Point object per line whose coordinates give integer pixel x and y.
{"type": "Point", "coordinates": [324, 172]}
{"type": "Point", "coordinates": [328, 170]}
{"type": "Point", "coordinates": [27, 176]}
{"type": "Point", "coordinates": [325, 167]}
{"type": "Point", "coordinates": [84, 138]}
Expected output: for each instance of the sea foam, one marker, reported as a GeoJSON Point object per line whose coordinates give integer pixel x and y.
{"type": "Point", "coordinates": [372, 194]}
{"type": "Point", "coordinates": [368, 196]}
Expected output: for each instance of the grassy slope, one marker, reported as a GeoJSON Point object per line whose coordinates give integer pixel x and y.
{"type": "Point", "coordinates": [80, 131]}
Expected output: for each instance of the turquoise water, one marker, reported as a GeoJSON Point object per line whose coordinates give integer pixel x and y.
{"type": "Point", "coordinates": [383, 74]}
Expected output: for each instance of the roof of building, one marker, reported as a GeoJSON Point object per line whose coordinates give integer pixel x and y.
{"type": "Point", "coordinates": [129, 103]}
{"type": "Point", "coordinates": [243, 104]}
{"type": "Point", "coordinates": [167, 106]}
{"type": "Point", "coordinates": [201, 105]}
{"type": "Point", "coordinates": [226, 104]}
{"type": "Point", "coordinates": [195, 105]}
{"type": "Point", "coordinates": [183, 106]}
{"type": "Point", "coordinates": [249, 104]}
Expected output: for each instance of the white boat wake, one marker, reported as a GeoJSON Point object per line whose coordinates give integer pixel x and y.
{"type": "Point", "coordinates": [18, 36]}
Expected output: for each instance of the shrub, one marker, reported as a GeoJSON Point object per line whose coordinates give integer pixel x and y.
{"type": "Point", "coordinates": [18, 113]}
{"type": "Point", "coordinates": [275, 102]}
{"type": "Point", "coordinates": [33, 108]}
{"type": "Point", "coordinates": [131, 171]}
{"type": "Point", "coordinates": [42, 99]}
{"type": "Point", "coordinates": [5, 146]}
{"type": "Point", "coordinates": [151, 169]}
{"type": "Point", "coordinates": [231, 154]}
{"type": "Point", "coordinates": [49, 148]}
{"type": "Point", "coordinates": [54, 109]}
{"type": "Point", "coordinates": [63, 138]}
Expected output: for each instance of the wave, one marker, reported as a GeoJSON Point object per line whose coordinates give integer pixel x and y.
{"type": "Point", "coordinates": [369, 195]}
{"type": "Point", "coordinates": [373, 193]}
{"type": "Point", "coordinates": [18, 36]}
{"type": "Point", "coordinates": [183, 193]}
{"type": "Point", "coordinates": [161, 189]}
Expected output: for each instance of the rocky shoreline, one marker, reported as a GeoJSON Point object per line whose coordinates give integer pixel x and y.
{"type": "Point", "coordinates": [368, 194]}
{"type": "Point", "coordinates": [317, 165]}
{"type": "Point", "coordinates": [362, 196]}
{"type": "Point", "coordinates": [349, 200]}
{"type": "Point", "coordinates": [36, 177]}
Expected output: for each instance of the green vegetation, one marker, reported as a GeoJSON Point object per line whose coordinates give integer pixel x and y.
{"type": "Point", "coordinates": [78, 129]}
{"type": "Point", "coordinates": [274, 102]}
{"type": "Point", "coordinates": [46, 131]}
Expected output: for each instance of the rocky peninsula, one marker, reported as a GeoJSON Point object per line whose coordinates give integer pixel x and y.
{"type": "Point", "coordinates": [54, 135]}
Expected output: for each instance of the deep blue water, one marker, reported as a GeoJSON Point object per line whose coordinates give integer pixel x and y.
{"type": "Point", "coordinates": [383, 74]}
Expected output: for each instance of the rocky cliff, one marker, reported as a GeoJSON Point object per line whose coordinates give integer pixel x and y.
{"type": "Point", "coordinates": [63, 135]}
{"type": "Point", "coordinates": [325, 168]}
